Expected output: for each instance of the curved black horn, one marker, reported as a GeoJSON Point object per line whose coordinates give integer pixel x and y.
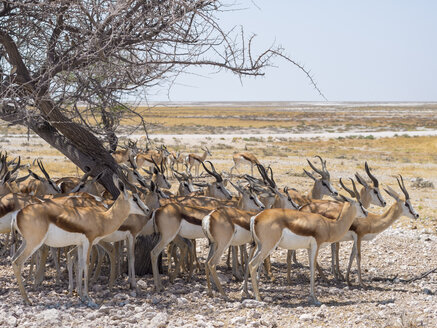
{"type": "Point", "coordinates": [271, 177]}
{"type": "Point", "coordinates": [350, 191]}
{"type": "Point", "coordinates": [357, 194]}
{"type": "Point", "coordinates": [371, 176]}
{"type": "Point", "coordinates": [238, 188]}
{"type": "Point", "coordinates": [265, 177]}
{"type": "Point", "coordinates": [404, 190]}
{"type": "Point", "coordinates": [315, 169]}
{"type": "Point", "coordinates": [156, 165]}
{"type": "Point", "coordinates": [16, 166]}
{"type": "Point", "coordinates": [214, 173]}
{"type": "Point", "coordinates": [43, 170]}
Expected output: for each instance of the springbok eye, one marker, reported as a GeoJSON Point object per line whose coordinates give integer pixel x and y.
{"type": "Point", "coordinates": [218, 187]}
{"type": "Point", "coordinates": [375, 192]}
{"type": "Point", "coordinates": [251, 197]}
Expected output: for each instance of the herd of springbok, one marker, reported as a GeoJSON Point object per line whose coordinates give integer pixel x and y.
{"type": "Point", "coordinates": [76, 217]}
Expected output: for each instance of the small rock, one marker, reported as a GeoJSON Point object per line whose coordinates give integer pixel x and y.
{"type": "Point", "coordinates": [248, 303]}
{"type": "Point", "coordinates": [306, 317]}
{"type": "Point", "coordinates": [238, 320]}
{"type": "Point", "coordinates": [155, 300]}
{"type": "Point", "coordinates": [427, 291]}
{"type": "Point", "coordinates": [105, 309]}
{"type": "Point", "coordinates": [91, 316]}
{"type": "Point", "coordinates": [160, 320]}
{"type": "Point", "coordinates": [142, 284]}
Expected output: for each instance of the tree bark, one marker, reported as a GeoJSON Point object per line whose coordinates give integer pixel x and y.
{"type": "Point", "coordinates": [143, 246]}
{"type": "Point", "coordinates": [95, 161]}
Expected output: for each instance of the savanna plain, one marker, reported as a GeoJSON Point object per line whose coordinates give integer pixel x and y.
{"type": "Point", "coordinates": [401, 288]}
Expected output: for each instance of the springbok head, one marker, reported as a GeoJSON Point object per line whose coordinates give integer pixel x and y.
{"type": "Point", "coordinates": [186, 186]}
{"type": "Point", "coordinates": [136, 204]}
{"type": "Point", "coordinates": [405, 205]}
{"type": "Point", "coordinates": [248, 199]}
{"type": "Point", "coordinates": [207, 150]}
{"type": "Point", "coordinates": [361, 211]}
{"type": "Point", "coordinates": [88, 186]}
{"type": "Point", "coordinates": [49, 185]}
{"type": "Point", "coordinates": [281, 200]}
{"type": "Point", "coordinates": [370, 192]}
{"type": "Point", "coordinates": [322, 185]}
{"type": "Point", "coordinates": [216, 189]}
{"type": "Point", "coordinates": [159, 176]}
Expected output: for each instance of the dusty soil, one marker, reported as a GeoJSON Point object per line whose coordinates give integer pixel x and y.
{"type": "Point", "coordinates": [389, 301]}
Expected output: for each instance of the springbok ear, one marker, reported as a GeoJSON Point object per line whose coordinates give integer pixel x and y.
{"type": "Point", "coordinates": [310, 175]}
{"type": "Point", "coordinates": [6, 177]}
{"type": "Point", "coordinates": [360, 180]}
{"type": "Point", "coordinates": [121, 186]}
{"type": "Point", "coordinates": [34, 175]}
{"type": "Point", "coordinates": [392, 193]}
{"type": "Point", "coordinates": [225, 182]}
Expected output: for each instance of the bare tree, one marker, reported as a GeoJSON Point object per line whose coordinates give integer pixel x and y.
{"type": "Point", "coordinates": [66, 66]}
{"type": "Point", "coordinates": [55, 55]}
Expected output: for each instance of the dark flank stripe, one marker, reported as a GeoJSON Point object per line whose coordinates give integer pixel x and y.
{"type": "Point", "coordinates": [249, 158]}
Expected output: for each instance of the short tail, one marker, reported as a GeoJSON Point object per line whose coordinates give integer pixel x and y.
{"type": "Point", "coordinates": [14, 238]}
{"type": "Point", "coordinates": [252, 229]}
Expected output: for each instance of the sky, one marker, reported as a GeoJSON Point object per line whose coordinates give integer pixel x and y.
{"type": "Point", "coordinates": [373, 50]}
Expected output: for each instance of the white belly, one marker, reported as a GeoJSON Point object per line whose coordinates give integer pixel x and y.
{"type": "Point", "coordinates": [57, 237]}
{"type": "Point", "coordinates": [290, 240]}
{"type": "Point", "coordinates": [116, 236]}
{"type": "Point", "coordinates": [191, 231]}
{"type": "Point", "coordinates": [241, 236]}
{"type": "Point", "coordinates": [349, 236]}
{"type": "Point", "coordinates": [5, 222]}
{"type": "Point", "coordinates": [369, 236]}
{"type": "Point", "coordinates": [243, 161]}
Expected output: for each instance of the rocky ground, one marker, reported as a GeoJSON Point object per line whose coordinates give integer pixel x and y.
{"type": "Point", "coordinates": [390, 300]}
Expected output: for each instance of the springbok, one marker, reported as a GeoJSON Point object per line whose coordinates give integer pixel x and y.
{"type": "Point", "coordinates": [59, 226]}
{"type": "Point", "coordinates": [322, 187]}
{"type": "Point", "coordinates": [176, 158]}
{"type": "Point", "coordinates": [291, 229]}
{"type": "Point", "coordinates": [39, 186]}
{"type": "Point", "coordinates": [122, 156]}
{"type": "Point", "coordinates": [186, 221]}
{"type": "Point", "coordinates": [227, 226]}
{"type": "Point", "coordinates": [369, 227]}
{"type": "Point", "coordinates": [129, 231]}
{"type": "Point", "coordinates": [196, 160]}
{"type": "Point", "coordinates": [244, 159]}
{"type": "Point", "coordinates": [369, 194]}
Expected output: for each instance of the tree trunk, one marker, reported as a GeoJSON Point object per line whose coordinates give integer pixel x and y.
{"type": "Point", "coordinates": [96, 162]}
{"type": "Point", "coordinates": [143, 246]}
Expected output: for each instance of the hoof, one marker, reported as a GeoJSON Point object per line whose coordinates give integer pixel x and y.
{"type": "Point", "coordinates": [245, 294]}
{"type": "Point", "coordinates": [159, 289]}
{"type": "Point", "coordinates": [314, 301]}
{"type": "Point", "coordinates": [89, 302]}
